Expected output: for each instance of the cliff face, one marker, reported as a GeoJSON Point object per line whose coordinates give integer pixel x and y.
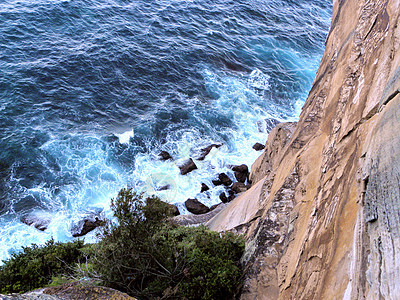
{"type": "Point", "coordinates": [322, 219]}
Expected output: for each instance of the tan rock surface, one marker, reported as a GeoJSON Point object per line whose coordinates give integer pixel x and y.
{"type": "Point", "coordinates": [323, 218]}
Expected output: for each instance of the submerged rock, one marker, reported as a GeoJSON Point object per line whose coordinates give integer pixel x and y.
{"type": "Point", "coordinates": [188, 166]}
{"type": "Point", "coordinates": [207, 150]}
{"type": "Point", "coordinates": [36, 221]}
{"type": "Point", "coordinates": [85, 226]}
{"type": "Point", "coordinates": [196, 207]}
{"type": "Point", "coordinates": [164, 155]}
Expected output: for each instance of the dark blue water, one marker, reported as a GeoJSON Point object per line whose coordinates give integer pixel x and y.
{"type": "Point", "coordinates": [91, 91]}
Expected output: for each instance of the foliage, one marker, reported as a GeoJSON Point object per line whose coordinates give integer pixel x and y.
{"type": "Point", "coordinates": [35, 266]}
{"type": "Point", "coordinates": [149, 257]}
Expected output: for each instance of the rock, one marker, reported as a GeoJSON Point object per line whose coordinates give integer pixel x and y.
{"type": "Point", "coordinates": [241, 169]}
{"type": "Point", "coordinates": [164, 155]}
{"type": "Point", "coordinates": [223, 198]}
{"type": "Point", "coordinates": [191, 219]}
{"type": "Point", "coordinates": [86, 226]}
{"type": "Point", "coordinates": [196, 207]}
{"type": "Point", "coordinates": [188, 166]}
{"type": "Point", "coordinates": [215, 206]}
{"type": "Point", "coordinates": [241, 173]}
{"type": "Point", "coordinates": [206, 151]}
{"type": "Point", "coordinates": [231, 195]}
{"type": "Point", "coordinates": [204, 187]}
{"type": "Point", "coordinates": [36, 221]}
{"type": "Point", "coordinates": [174, 209]}
{"type": "Point", "coordinates": [239, 187]}
{"type": "Point", "coordinates": [225, 179]}
{"type": "Point", "coordinates": [267, 125]}
{"type": "Point", "coordinates": [258, 147]}
{"type": "Point", "coordinates": [216, 182]}
{"type": "Point", "coordinates": [164, 187]}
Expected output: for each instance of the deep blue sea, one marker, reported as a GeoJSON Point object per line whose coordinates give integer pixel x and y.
{"type": "Point", "coordinates": [92, 90]}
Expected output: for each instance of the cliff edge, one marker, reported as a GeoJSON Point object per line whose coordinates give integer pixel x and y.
{"type": "Point", "coordinates": [322, 219]}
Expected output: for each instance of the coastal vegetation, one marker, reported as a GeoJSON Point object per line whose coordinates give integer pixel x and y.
{"type": "Point", "coordinates": [141, 252]}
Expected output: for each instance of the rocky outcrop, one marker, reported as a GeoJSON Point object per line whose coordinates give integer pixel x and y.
{"type": "Point", "coordinates": [187, 167]}
{"type": "Point", "coordinates": [322, 217]}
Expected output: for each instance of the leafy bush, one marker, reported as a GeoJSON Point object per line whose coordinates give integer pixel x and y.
{"type": "Point", "coordinates": [35, 266]}
{"type": "Point", "coordinates": [147, 256]}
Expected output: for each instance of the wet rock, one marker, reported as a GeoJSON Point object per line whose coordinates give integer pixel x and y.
{"type": "Point", "coordinates": [206, 151]}
{"type": "Point", "coordinates": [225, 179]}
{"type": "Point", "coordinates": [164, 155]}
{"type": "Point", "coordinates": [241, 173]}
{"type": "Point", "coordinates": [196, 207]}
{"type": "Point", "coordinates": [164, 187]}
{"type": "Point", "coordinates": [85, 226]}
{"type": "Point", "coordinates": [267, 125]}
{"type": "Point", "coordinates": [188, 166]}
{"type": "Point", "coordinates": [36, 221]}
{"type": "Point", "coordinates": [239, 187]}
{"type": "Point", "coordinates": [258, 147]}
{"type": "Point", "coordinates": [223, 198]}
{"type": "Point", "coordinates": [216, 182]}
{"type": "Point", "coordinates": [204, 187]}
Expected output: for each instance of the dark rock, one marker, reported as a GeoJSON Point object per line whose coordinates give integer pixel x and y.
{"type": "Point", "coordinates": [239, 187]}
{"type": "Point", "coordinates": [206, 151]}
{"type": "Point", "coordinates": [164, 155]}
{"type": "Point", "coordinates": [188, 166]}
{"type": "Point", "coordinates": [204, 187]}
{"type": "Point", "coordinates": [231, 195]}
{"type": "Point", "coordinates": [164, 187]}
{"type": "Point", "coordinates": [258, 147]}
{"type": "Point", "coordinates": [242, 169]}
{"type": "Point", "coordinates": [196, 207]}
{"type": "Point", "coordinates": [241, 173]}
{"type": "Point", "coordinates": [216, 182]}
{"type": "Point", "coordinates": [86, 226]}
{"type": "Point", "coordinates": [225, 179]}
{"type": "Point", "coordinates": [215, 206]}
{"type": "Point", "coordinates": [223, 198]}
{"type": "Point", "coordinates": [36, 221]}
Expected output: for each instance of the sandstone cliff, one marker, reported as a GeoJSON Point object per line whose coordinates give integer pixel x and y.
{"type": "Point", "coordinates": [322, 219]}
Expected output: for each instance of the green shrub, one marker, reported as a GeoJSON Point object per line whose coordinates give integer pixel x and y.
{"type": "Point", "coordinates": [149, 257]}
{"type": "Point", "coordinates": [35, 266]}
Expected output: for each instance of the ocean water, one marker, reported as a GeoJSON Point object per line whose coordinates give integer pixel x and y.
{"type": "Point", "coordinates": [91, 91]}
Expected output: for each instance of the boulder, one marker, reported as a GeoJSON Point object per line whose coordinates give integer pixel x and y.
{"type": "Point", "coordinates": [36, 221]}
{"type": "Point", "coordinates": [204, 187]}
{"type": "Point", "coordinates": [231, 195]}
{"type": "Point", "coordinates": [258, 146]}
{"type": "Point", "coordinates": [225, 179]}
{"type": "Point", "coordinates": [205, 151]}
{"type": "Point", "coordinates": [164, 188]}
{"type": "Point", "coordinates": [196, 207]}
{"type": "Point", "coordinates": [239, 187]}
{"type": "Point", "coordinates": [85, 226]}
{"type": "Point", "coordinates": [241, 173]}
{"type": "Point", "coordinates": [188, 166]}
{"type": "Point", "coordinates": [223, 198]}
{"type": "Point", "coordinates": [164, 155]}
{"type": "Point", "coordinates": [216, 182]}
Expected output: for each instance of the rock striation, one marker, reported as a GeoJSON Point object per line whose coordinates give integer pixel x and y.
{"type": "Point", "coordinates": [322, 218]}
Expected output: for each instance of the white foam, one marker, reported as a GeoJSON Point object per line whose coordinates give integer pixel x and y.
{"type": "Point", "coordinates": [125, 136]}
